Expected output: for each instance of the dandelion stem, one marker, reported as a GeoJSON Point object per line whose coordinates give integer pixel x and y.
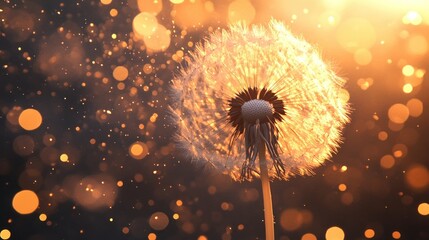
{"type": "Point", "coordinates": [266, 192]}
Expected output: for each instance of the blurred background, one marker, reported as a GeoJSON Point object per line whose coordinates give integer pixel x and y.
{"type": "Point", "coordinates": [85, 145]}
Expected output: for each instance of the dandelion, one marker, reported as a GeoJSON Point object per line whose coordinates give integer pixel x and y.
{"type": "Point", "coordinates": [251, 90]}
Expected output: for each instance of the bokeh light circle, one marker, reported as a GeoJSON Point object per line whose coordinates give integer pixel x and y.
{"type": "Point", "coordinates": [25, 202]}
{"type": "Point", "coordinates": [145, 24]}
{"type": "Point", "coordinates": [30, 119]}
{"type": "Point", "coordinates": [334, 233]}
{"type": "Point", "coordinates": [398, 113]}
{"type": "Point", "coordinates": [158, 221]}
{"type": "Point", "coordinates": [423, 209]}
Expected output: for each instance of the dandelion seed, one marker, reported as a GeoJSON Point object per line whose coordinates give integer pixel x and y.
{"type": "Point", "coordinates": [248, 90]}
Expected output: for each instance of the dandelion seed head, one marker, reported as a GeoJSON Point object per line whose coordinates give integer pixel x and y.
{"type": "Point", "coordinates": [261, 74]}
{"type": "Point", "coordinates": [257, 109]}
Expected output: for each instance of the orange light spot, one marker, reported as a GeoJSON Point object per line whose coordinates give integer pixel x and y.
{"type": "Point", "coordinates": [417, 177]}
{"type": "Point", "coordinates": [382, 136]}
{"type": "Point", "coordinates": [398, 113]}
{"type": "Point", "coordinates": [342, 187]}
{"type": "Point", "coordinates": [145, 24]}
{"type": "Point", "coordinates": [387, 161]}
{"type": "Point", "coordinates": [334, 233]}
{"type": "Point", "coordinates": [408, 70]}
{"type": "Point", "coordinates": [396, 235]}
{"type": "Point", "coordinates": [43, 217]}
{"type": "Point", "coordinates": [30, 119]}
{"type": "Point", "coordinates": [369, 233]}
{"type": "Point", "coordinates": [241, 10]}
{"type": "Point", "coordinates": [106, 2]}
{"type": "Point", "coordinates": [138, 150]}
{"type": "Point", "coordinates": [120, 73]}
{"type": "Point", "coordinates": [423, 209]}
{"type": "Point", "coordinates": [415, 107]}
{"type": "Point", "coordinates": [407, 88]}
{"type": "Point", "coordinates": [308, 236]}
{"type": "Point", "coordinates": [25, 202]}
{"type": "Point", "coordinates": [5, 234]}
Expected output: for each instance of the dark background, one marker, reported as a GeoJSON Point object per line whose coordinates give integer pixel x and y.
{"type": "Point", "coordinates": [73, 91]}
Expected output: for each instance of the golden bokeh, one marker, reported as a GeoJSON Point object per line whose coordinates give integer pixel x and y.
{"type": "Point", "coordinates": [334, 233]}
{"type": "Point", "coordinates": [362, 56]}
{"type": "Point", "coordinates": [151, 236]}
{"type": "Point", "coordinates": [158, 221]}
{"type": "Point", "coordinates": [369, 233]}
{"type": "Point", "coordinates": [120, 73]}
{"type": "Point", "coordinates": [25, 202]}
{"type": "Point", "coordinates": [396, 235]}
{"type": "Point", "coordinates": [417, 45]}
{"type": "Point", "coordinates": [356, 33]}
{"type": "Point", "coordinates": [241, 10]}
{"type": "Point", "coordinates": [138, 150]}
{"type": "Point", "coordinates": [415, 107]}
{"type": "Point", "coordinates": [159, 40]}
{"type": "Point", "coordinates": [423, 209]}
{"type": "Point", "coordinates": [150, 6]}
{"type": "Point", "coordinates": [398, 113]}
{"type": "Point", "coordinates": [64, 157]}
{"type": "Point", "coordinates": [417, 177]}
{"type": "Point", "coordinates": [387, 161]}
{"type": "Point", "coordinates": [30, 119]}
{"type": "Point", "coordinates": [308, 236]}
{"type": "Point", "coordinates": [5, 234]}
{"type": "Point", "coordinates": [408, 70]}
{"type": "Point", "coordinates": [43, 217]}
{"type": "Point", "coordinates": [291, 219]}
{"type": "Point", "coordinates": [106, 2]}
{"type": "Point", "coordinates": [145, 24]}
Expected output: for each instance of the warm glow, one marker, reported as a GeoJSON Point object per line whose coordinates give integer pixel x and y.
{"type": "Point", "coordinates": [412, 17]}
{"type": "Point", "coordinates": [398, 113]}
{"type": "Point", "coordinates": [342, 187]}
{"type": "Point", "coordinates": [382, 136]}
{"type": "Point", "coordinates": [291, 219]}
{"type": "Point", "coordinates": [415, 107]}
{"type": "Point", "coordinates": [64, 157]}
{"type": "Point", "coordinates": [5, 234]}
{"type": "Point", "coordinates": [159, 40]}
{"type": "Point", "coordinates": [43, 217]}
{"type": "Point", "coordinates": [106, 2]}
{"type": "Point", "coordinates": [362, 56]}
{"type": "Point", "coordinates": [150, 6]}
{"type": "Point", "coordinates": [396, 235]}
{"type": "Point", "coordinates": [369, 233]}
{"type": "Point", "coordinates": [25, 202]}
{"type": "Point", "coordinates": [387, 161]}
{"type": "Point", "coordinates": [138, 150]}
{"type": "Point", "coordinates": [308, 236]}
{"type": "Point", "coordinates": [407, 88]}
{"type": "Point", "coordinates": [334, 233]}
{"type": "Point", "coordinates": [350, 37]}
{"type": "Point", "coordinates": [417, 177]}
{"type": "Point", "coordinates": [30, 119]}
{"type": "Point", "coordinates": [241, 10]}
{"type": "Point", "coordinates": [151, 236]}
{"type": "Point", "coordinates": [418, 45]}
{"type": "Point", "coordinates": [423, 209]}
{"type": "Point", "coordinates": [408, 70]}
{"type": "Point", "coordinates": [145, 24]}
{"type": "Point", "coordinates": [120, 73]}
{"type": "Point", "coordinates": [158, 221]}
